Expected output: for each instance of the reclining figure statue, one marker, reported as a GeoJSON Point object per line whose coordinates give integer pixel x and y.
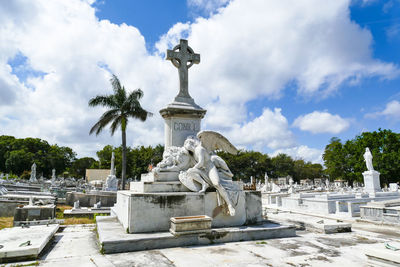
{"type": "Point", "coordinates": [199, 168]}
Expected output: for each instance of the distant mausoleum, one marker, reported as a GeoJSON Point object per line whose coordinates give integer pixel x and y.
{"type": "Point", "coordinates": [96, 174]}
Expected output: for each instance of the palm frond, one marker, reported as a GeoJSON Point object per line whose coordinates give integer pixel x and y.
{"type": "Point", "coordinates": [120, 96]}
{"type": "Point", "coordinates": [103, 100]}
{"type": "Point", "coordinates": [104, 120]}
{"type": "Point", "coordinates": [136, 94]}
{"type": "Point", "coordinates": [116, 85]}
{"type": "Point", "coordinates": [139, 113]}
{"type": "Point", "coordinates": [115, 124]}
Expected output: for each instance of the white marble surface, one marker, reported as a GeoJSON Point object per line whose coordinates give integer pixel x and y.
{"type": "Point", "coordinates": [372, 181]}
{"type": "Point", "coordinates": [76, 246]}
{"type": "Point", "coordinates": [177, 129]}
{"type": "Point", "coordinates": [12, 238]}
{"type": "Point", "coordinates": [150, 212]}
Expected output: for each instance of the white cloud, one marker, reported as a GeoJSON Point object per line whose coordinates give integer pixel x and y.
{"type": "Point", "coordinates": [249, 49]}
{"type": "Point", "coordinates": [368, 2]}
{"type": "Point", "coordinates": [393, 30]}
{"type": "Point", "coordinates": [321, 122]}
{"type": "Point", "coordinates": [66, 41]}
{"type": "Point", "coordinates": [270, 130]}
{"type": "Point", "coordinates": [391, 111]}
{"type": "Point", "coordinates": [302, 152]}
{"type": "Point", "coordinates": [274, 43]}
{"type": "Point", "coordinates": [207, 6]}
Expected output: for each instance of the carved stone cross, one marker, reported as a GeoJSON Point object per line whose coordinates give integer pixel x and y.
{"type": "Point", "coordinates": [183, 60]}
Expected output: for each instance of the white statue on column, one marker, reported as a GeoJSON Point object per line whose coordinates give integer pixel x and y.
{"type": "Point", "coordinates": [291, 187]}
{"type": "Point", "coordinates": [33, 174]}
{"type": "Point", "coordinates": [111, 181]}
{"type": "Point", "coordinates": [53, 176]}
{"type": "Point", "coordinates": [371, 177]}
{"type": "Point", "coordinates": [368, 159]}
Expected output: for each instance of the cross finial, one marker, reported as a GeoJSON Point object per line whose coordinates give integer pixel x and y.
{"type": "Point", "coordinates": [183, 60]}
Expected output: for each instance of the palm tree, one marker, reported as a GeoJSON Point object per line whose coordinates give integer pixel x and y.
{"type": "Point", "coordinates": [121, 108]}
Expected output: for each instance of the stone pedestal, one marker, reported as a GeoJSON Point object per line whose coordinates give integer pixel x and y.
{"type": "Point", "coordinates": [372, 181]}
{"type": "Point", "coordinates": [181, 119]}
{"type": "Point", "coordinates": [151, 212]}
{"type": "Point", "coordinates": [30, 213]}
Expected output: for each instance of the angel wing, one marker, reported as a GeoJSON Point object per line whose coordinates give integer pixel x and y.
{"type": "Point", "coordinates": [215, 141]}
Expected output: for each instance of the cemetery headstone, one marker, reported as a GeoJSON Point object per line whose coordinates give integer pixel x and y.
{"type": "Point", "coordinates": [33, 179]}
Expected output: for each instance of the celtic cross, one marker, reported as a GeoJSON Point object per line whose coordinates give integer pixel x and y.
{"type": "Point", "coordinates": [183, 60]}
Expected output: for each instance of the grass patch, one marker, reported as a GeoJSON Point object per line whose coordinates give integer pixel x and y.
{"type": "Point", "coordinates": [6, 222]}
{"type": "Point", "coordinates": [60, 210]}
{"type": "Point", "coordinates": [261, 243]}
{"type": "Point", "coordinates": [78, 220]}
{"type": "Point", "coordinates": [36, 263]}
{"type": "Point", "coordinates": [72, 220]}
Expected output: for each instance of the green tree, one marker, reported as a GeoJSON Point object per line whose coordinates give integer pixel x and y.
{"type": "Point", "coordinates": [246, 164]}
{"type": "Point", "coordinates": [282, 165]}
{"type": "Point", "coordinates": [346, 160]}
{"type": "Point", "coordinates": [104, 156]}
{"type": "Point", "coordinates": [137, 161]}
{"type": "Point", "coordinates": [306, 170]}
{"type": "Point", "coordinates": [6, 143]}
{"type": "Point", "coordinates": [18, 155]}
{"type": "Point", "coordinates": [141, 157]}
{"type": "Point", "coordinates": [121, 108]}
{"type": "Point", "coordinates": [334, 158]}
{"type": "Point", "coordinates": [79, 166]}
{"type": "Point", "coordinates": [19, 161]}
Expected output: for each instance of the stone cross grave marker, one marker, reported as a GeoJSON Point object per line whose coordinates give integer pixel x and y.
{"type": "Point", "coordinates": [183, 60]}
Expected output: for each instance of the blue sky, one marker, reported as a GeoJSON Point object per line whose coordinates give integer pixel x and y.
{"type": "Point", "coordinates": [154, 17]}
{"type": "Point", "coordinates": [279, 76]}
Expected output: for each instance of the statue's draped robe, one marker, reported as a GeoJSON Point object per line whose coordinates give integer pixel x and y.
{"type": "Point", "coordinates": [225, 180]}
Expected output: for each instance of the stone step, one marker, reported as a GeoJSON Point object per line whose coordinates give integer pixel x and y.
{"type": "Point", "coordinates": [158, 187]}
{"type": "Point", "coordinates": [114, 239]}
{"type": "Point", "coordinates": [160, 177]}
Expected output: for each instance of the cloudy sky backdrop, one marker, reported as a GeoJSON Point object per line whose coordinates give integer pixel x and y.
{"type": "Point", "coordinates": [275, 76]}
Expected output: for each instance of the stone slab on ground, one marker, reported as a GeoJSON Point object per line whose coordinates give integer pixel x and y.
{"type": "Point", "coordinates": [378, 255]}
{"type": "Point", "coordinates": [11, 239]}
{"type": "Point", "coordinates": [76, 246]}
{"type": "Point", "coordinates": [114, 239]}
{"type": "Point", "coordinates": [85, 212]}
{"type": "Point", "coordinates": [310, 223]}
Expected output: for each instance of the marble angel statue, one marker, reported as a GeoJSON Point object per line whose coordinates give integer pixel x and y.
{"type": "Point", "coordinates": [368, 159]}
{"type": "Point", "coordinates": [210, 170]}
{"type": "Point", "coordinates": [175, 159]}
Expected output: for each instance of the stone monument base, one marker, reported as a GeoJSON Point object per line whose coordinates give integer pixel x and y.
{"type": "Point", "coordinates": [106, 198]}
{"type": "Point", "coordinates": [151, 212]}
{"type": "Point", "coordinates": [372, 181]}
{"type": "Point", "coordinates": [30, 213]}
{"type": "Point", "coordinates": [114, 239]}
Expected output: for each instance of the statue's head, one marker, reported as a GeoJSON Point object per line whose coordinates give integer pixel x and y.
{"type": "Point", "coordinates": [367, 149]}
{"type": "Point", "coordinates": [190, 144]}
